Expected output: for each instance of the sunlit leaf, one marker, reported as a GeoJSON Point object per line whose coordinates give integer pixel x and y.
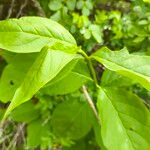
{"type": "Point", "coordinates": [135, 67]}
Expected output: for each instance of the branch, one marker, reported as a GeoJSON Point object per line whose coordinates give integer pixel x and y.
{"type": "Point", "coordinates": [90, 102]}
{"type": "Point", "coordinates": [18, 136]}
{"type": "Point", "coordinates": [21, 8]}
{"type": "Point", "coordinates": [10, 9]}
{"type": "Point", "coordinates": [146, 104]}
{"type": "Point", "coordinates": [92, 70]}
{"type": "Point", "coordinates": [37, 5]}
{"type": "Point", "coordinates": [3, 126]}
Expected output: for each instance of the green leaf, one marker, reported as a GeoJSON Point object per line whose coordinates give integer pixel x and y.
{"type": "Point", "coordinates": [13, 74]}
{"type": "Point", "coordinates": [82, 144]}
{"type": "Point", "coordinates": [36, 132]}
{"type": "Point", "coordinates": [71, 119]}
{"type": "Point", "coordinates": [96, 32]}
{"type": "Point", "coordinates": [47, 65]}
{"type": "Point", "coordinates": [2, 112]}
{"type": "Point", "coordinates": [21, 60]}
{"type": "Point", "coordinates": [87, 34]}
{"type": "Point", "coordinates": [8, 56]}
{"type": "Point", "coordinates": [125, 120]}
{"type": "Point", "coordinates": [98, 136]}
{"type": "Point", "coordinates": [71, 82]}
{"type": "Point", "coordinates": [31, 34]}
{"type": "Point", "coordinates": [111, 78]}
{"type": "Point", "coordinates": [25, 113]}
{"type": "Point", "coordinates": [85, 11]}
{"type": "Point", "coordinates": [135, 67]}
{"type": "Point", "coordinates": [10, 81]}
{"type": "Point", "coordinates": [2, 66]}
{"type": "Point", "coordinates": [71, 4]}
{"type": "Point", "coordinates": [65, 71]}
{"type": "Point", "coordinates": [55, 5]}
{"type": "Point", "coordinates": [80, 4]}
{"type": "Point", "coordinates": [89, 4]}
{"type": "Point", "coordinates": [56, 16]}
{"type": "Point", "coordinates": [78, 146]}
{"type": "Point", "coordinates": [148, 1]}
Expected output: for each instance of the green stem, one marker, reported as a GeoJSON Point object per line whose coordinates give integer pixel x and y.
{"type": "Point", "coordinates": [92, 70]}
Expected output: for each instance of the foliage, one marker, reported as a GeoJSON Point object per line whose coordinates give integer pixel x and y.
{"type": "Point", "coordinates": [63, 96]}
{"type": "Point", "coordinates": [110, 23]}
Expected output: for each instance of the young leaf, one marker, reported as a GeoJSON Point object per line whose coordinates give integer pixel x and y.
{"type": "Point", "coordinates": [132, 66]}
{"type": "Point", "coordinates": [47, 65]}
{"type": "Point", "coordinates": [96, 32]}
{"type": "Point", "coordinates": [125, 120]}
{"type": "Point", "coordinates": [71, 119]}
{"type": "Point", "coordinates": [31, 34]}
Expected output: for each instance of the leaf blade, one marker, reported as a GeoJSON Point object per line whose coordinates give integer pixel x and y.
{"type": "Point", "coordinates": [71, 119]}
{"type": "Point", "coordinates": [27, 35]}
{"type": "Point", "coordinates": [126, 64]}
{"type": "Point", "coordinates": [125, 120]}
{"type": "Point", "coordinates": [72, 80]}
{"type": "Point", "coordinates": [45, 68]}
